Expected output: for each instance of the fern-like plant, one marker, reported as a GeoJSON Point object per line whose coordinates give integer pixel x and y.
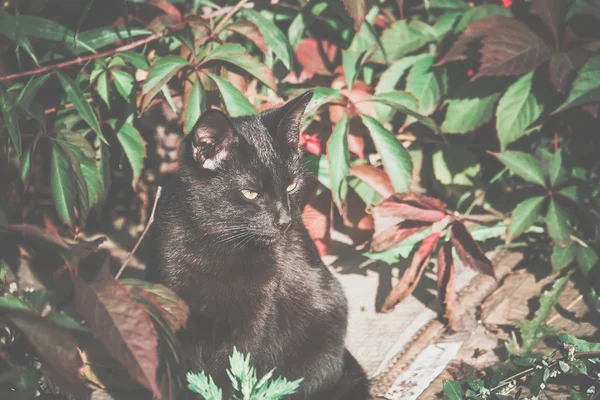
{"type": "Point", "coordinates": [246, 385]}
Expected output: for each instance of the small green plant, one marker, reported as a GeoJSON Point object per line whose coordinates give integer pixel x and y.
{"type": "Point", "coordinates": [575, 363]}
{"type": "Point", "coordinates": [245, 384]}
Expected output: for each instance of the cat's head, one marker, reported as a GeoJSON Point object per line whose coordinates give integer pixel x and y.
{"type": "Point", "coordinates": [245, 174]}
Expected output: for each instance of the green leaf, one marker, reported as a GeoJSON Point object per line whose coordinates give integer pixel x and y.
{"type": "Point", "coordinates": [563, 257]}
{"type": "Point", "coordinates": [318, 166]}
{"type": "Point", "coordinates": [396, 160]}
{"type": "Point", "coordinates": [76, 96]}
{"type": "Point", "coordinates": [466, 115]}
{"type": "Point", "coordinates": [424, 85]}
{"type": "Point", "coordinates": [138, 60]}
{"type": "Point", "coordinates": [103, 165]}
{"type": "Point", "coordinates": [339, 159]}
{"type": "Point", "coordinates": [63, 186]}
{"type": "Point", "coordinates": [236, 103]}
{"type": "Point", "coordinates": [587, 258]}
{"type": "Point", "coordinates": [194, 106]}
{"type": "Point", "coordinates": [453, 390]}
{"type": "Point", "coordinates": [405, 103]}
{"type": "Point", "coordinates": [8, 28]}
{"type": "Point", "coordinates": [274, 38]}
{"type": "Point", "coordinates": [27, 95]}
{"type": "Point", "coordinates": [159, 74]}
{"type": "Point", "coordinates": [82, 149]}
{"type": "Point", "coordinates": [523, 165]}
{"type": "Point", "coordinates": [586, 87]}
{"type": "Point", "coordinates": [557, 224]}
{"type": "Point", "coordinates": [102, 88]}
{"type": "Point", "coordinates": [581, 346]}
{"type": "Point", "coordinates": [236, 55]}
{"type": "Point", "coordinates": [445, 23]}
{"type": "Point", "coordinates": [11, 303]}
{"type": "Point", "coordinates": [403, 37]}
{"type": "Point", "coordinates": [101, 37]}
{"type": "Point", "coordinates": [321, 96]}
{"type": "Point", "coordinates": [472, 105]}
{"type": "Point", "coordinates": [517, 110]}
{"type": "Point", "coordinates": [592, 298]}
{"type": "Point", "coordinates": [534, 331]}
{"type": "Point", "coordinates": [389, 80]}
{"type": "Point", "coordinates": [66, 321]}
{"type": "Point", "coordinates": [556, 172]}
{"type": "Point", "coordinates": [449, 4]}
{"type": "Point", "coordinates": [10, 120]}
{"type": "Point", "coordinates": [523, 216]}
{"type": "Point", "coordinates": [309, 13]}
{"type": "Point", "coordinates": [123, 83]}
{"type": "Point", "coordinates": [352, 63]}
{"type": "Point", "coordinates": [134, 147]}
{"type": "Point", "coordinates": [475, 13]}
{"type": "Point", "coordinates": [46, 29]}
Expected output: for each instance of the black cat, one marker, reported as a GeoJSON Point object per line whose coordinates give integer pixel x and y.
{"type": "Point", "coordinates": [229, 240]}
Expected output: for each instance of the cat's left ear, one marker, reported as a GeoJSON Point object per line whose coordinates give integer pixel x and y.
{"type": "Point", "coordinates": [284, 122]}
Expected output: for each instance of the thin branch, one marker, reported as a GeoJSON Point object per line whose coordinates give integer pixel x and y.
{"type": "Point", "coordinates": [81, 60]}
{"type": "Point", "coordinates": [150, 221]}
{"type": "Point", "coordinates": [228, 16]}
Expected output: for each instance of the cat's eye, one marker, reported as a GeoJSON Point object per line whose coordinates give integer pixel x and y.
{"type": "Point", "coordinates": [249, 194]}
{"type": "Point", "coordinates": [292, 186]}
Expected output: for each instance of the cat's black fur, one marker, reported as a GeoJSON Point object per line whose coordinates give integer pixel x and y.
{"type": "Point", "coordinates": [247, 268]}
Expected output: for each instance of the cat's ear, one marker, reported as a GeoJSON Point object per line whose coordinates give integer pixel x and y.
{"type": "Point", "coordinates": [285, 121]}
{"type": "Point", "coordinates": [213, 139]}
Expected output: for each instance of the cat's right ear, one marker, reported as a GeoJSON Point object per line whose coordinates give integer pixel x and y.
{"type": "Point", "coordinates": [213, 139]}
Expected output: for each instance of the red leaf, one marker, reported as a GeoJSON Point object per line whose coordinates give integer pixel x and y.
{"type": "Point", "coordinates": [413, 274]}
{"type": "Point", "coordinates": [312, 143]}
{"type": "Point", "coordinates": [316, 57]}
{"type": "Point", "coordinates": [445, 284]}
{"type": "Point", "coordinates": [316, 216]}
{"type": "Point", "coordinates": [358, 225]}
{"type": "Point", "coordinates": [357, 10]}
{"type": "Point", "coordinates": [123, 326]}
{"type": "Point", "coordinates": [412, 206]}
{"type": "Point", "coordinates": [57, 348]}
{"type": "Point", "coordinates": [511, 48]}
{"type": "Point", "coordinates": [38, 233]}
{"type": "Point", "coordinates": [374, 177]}
{"type": "Point", "coordinates": [550, 11]}
{"type": "Point", "coordinates": [356, 144]}
{"type": "Point", "coordinates": [167, 8]}
{"type": "Point", "coordinates": [563, 65]}
{"type": "Point", "coordinates": [173, 309]}
{"type": "Point", "coordinates": [249, 30]}
{"type": "Point", "coordinates": [394, 235]}
{"type": "Point", "coordinates": [473, 31]}
{"type": "Point", "coordinates": [469, 252]}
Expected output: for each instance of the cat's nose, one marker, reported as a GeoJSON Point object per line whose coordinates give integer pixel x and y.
{"type": "Point", "coordinates": [283, 222]}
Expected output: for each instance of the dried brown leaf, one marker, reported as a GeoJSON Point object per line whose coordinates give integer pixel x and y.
{"type": "Point", "coordinates": [511, 48]}
{"type": "Point", "coordinates": [123, 326]}
{"type": "Point", "coordinates": [469, 251]}
{"type": "Point", "coordinates": [411, 206]}
{"type": "Point", "coordinates": [413, 274]}
{"type": "Point", "coordinates": [396, 234]}
{"type": "Point", "coordinates": [375, 178]}
{"type": "Point", "coordinates": [445, 284]}
{"type": "Point", "coordinates": [57, 349]}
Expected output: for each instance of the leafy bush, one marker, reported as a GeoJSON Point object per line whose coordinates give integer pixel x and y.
{"type": "Point", "coordinates": [244, 382]}
{"type": "Point", "coordinates": [488, 108]}
{"type": "Point", "coordinates": [574, 358]}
